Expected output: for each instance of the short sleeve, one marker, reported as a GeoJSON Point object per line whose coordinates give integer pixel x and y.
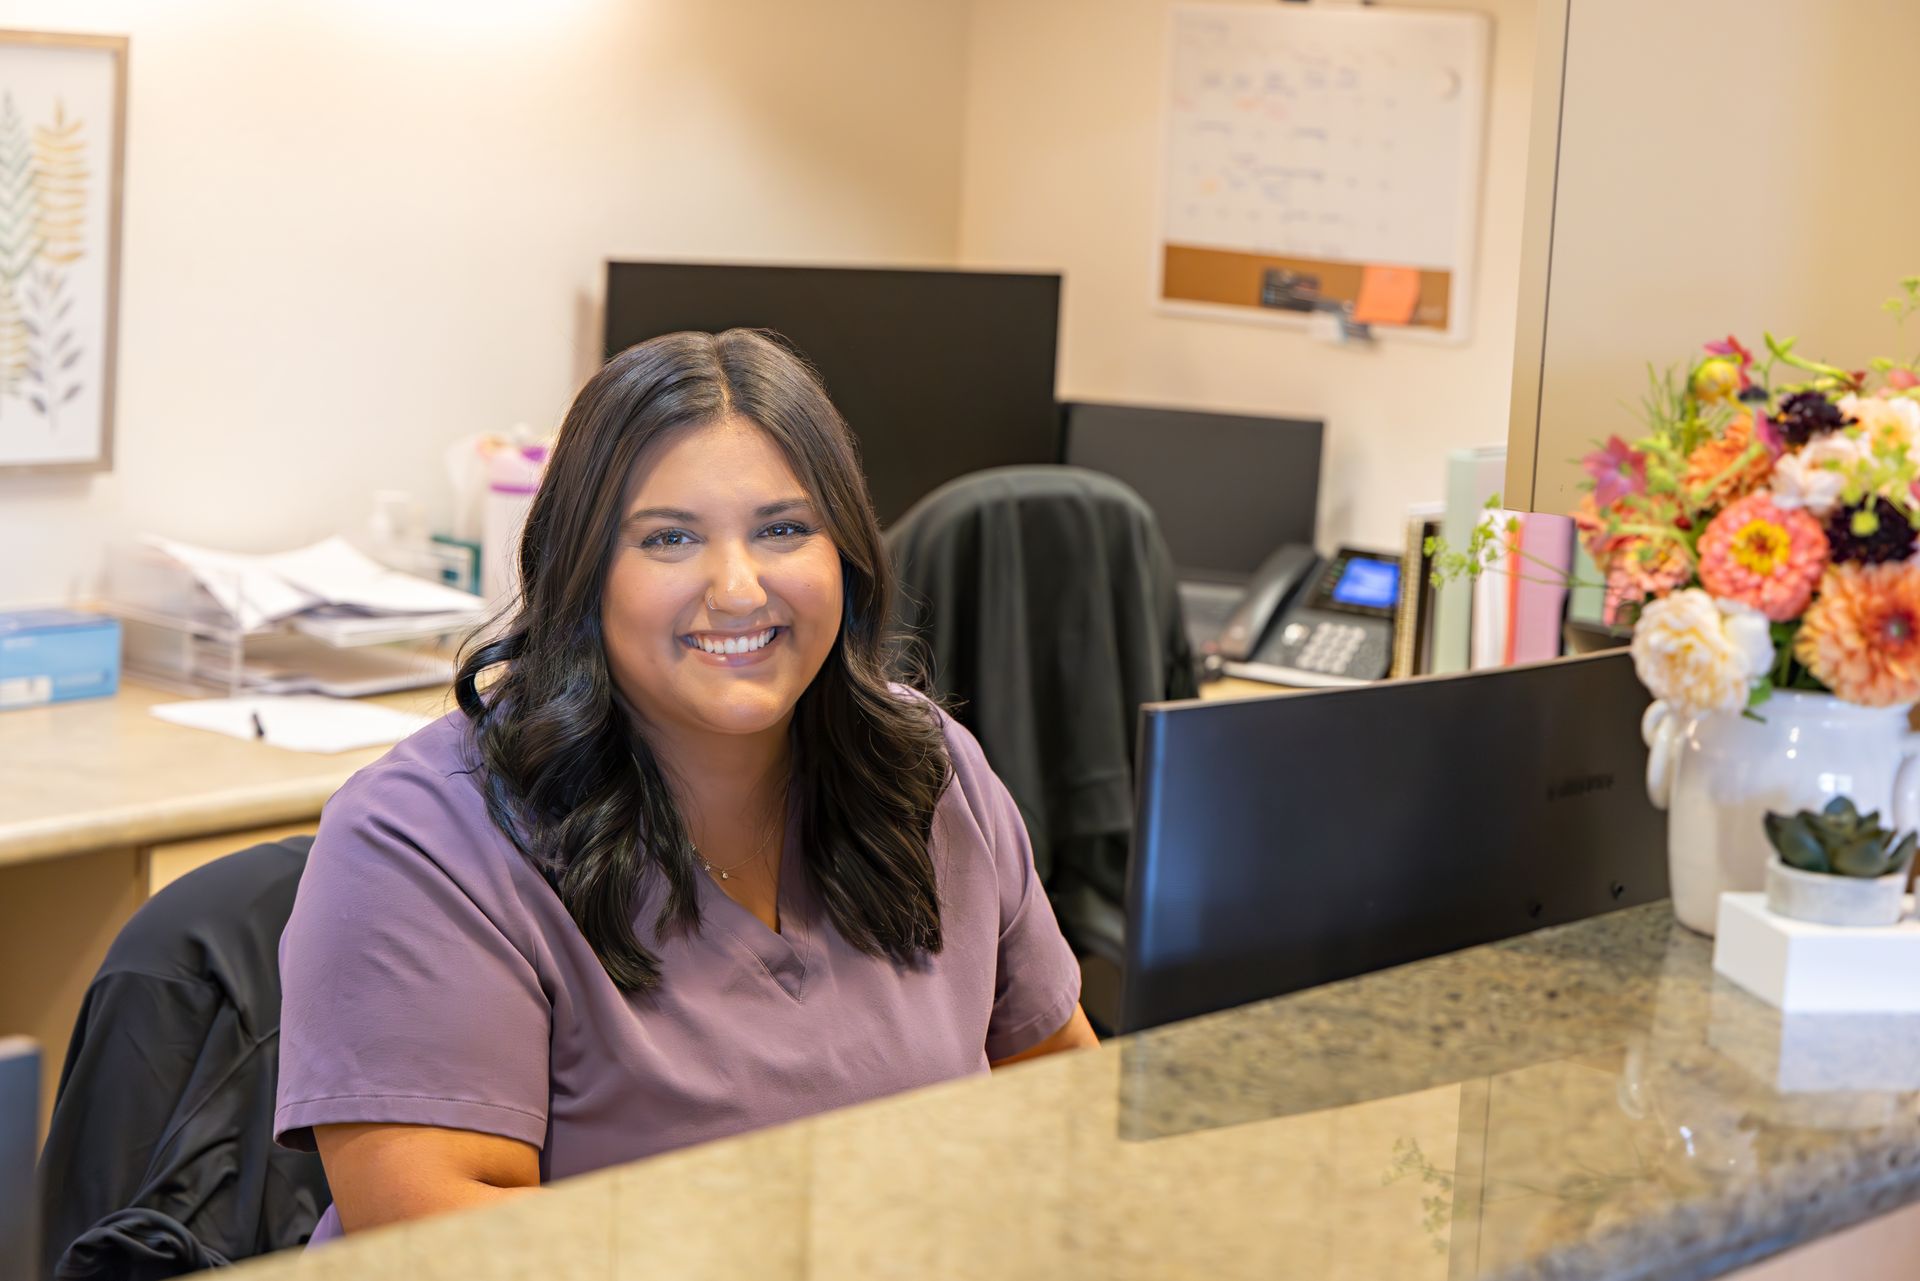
{"type": "Point", "coordinates": [1037, 981]}
{"type": "Point", "coordinates": [404, 997]}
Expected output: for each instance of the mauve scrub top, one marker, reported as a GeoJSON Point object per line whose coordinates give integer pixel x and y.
{"type": "Point", "coordinates": [431, 977]}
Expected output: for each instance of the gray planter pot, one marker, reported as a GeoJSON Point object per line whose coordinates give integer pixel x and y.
{"type": "Point", "coordinates": [1835, 900]}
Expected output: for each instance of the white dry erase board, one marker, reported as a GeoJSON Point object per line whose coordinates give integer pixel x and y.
{"type": "Point", "coordinates": [1323, 159]}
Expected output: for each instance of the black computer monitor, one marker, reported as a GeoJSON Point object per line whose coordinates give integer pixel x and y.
{"type": "Point", "coordinates": [19, 1145]}
{"type": "Point", "coordinates": [1227, 488]}
{"type": "Point", "coordinates": [1290, 841]}
{"type": "Point", "coordinates": [939, 373]}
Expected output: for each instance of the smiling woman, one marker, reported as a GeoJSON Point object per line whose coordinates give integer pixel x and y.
{"type": "Point", "coordinates": [694, 863]}
{"type": "Point", "coordinates": [718, 615]}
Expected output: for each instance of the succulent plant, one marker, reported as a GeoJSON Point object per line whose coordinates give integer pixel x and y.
{"type": "Point", "coordinates": [1840, 841]}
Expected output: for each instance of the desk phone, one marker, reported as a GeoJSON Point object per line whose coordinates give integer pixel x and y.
{"type": "Point", "coordinates": [1310, 622]}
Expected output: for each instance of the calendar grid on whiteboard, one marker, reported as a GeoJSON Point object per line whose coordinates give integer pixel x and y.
{"type": "Point", "coordinates": [1307, 146]}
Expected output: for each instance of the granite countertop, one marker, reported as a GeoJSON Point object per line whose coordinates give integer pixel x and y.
{"type": "Point", "coordinates": [1584, 1102]}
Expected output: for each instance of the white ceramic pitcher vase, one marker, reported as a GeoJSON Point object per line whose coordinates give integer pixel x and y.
{"type": "Point", "coordinates": [1717, 774]}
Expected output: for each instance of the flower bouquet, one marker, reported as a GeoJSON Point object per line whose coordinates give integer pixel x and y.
{"type": "Point", "coordinates": [1759, 539]}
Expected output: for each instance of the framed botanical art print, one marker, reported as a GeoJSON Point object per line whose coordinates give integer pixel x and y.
{"type": "Point", "coordinates": [62, 150]}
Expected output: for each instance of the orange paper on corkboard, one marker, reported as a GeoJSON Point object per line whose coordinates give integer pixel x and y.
{"type": "Point", "coordinates": [1387, 295]}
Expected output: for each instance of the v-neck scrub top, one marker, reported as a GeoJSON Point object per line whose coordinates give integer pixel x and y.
{"type": "Point", "coordinates": [432, 977]}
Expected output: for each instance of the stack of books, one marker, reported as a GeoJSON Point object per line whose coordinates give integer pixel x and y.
{"type": "Point", "coordinates": [1517, 608]}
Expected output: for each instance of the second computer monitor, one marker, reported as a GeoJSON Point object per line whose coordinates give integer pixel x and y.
{"type": "Point", "coordinates": [1227, 488]}
{"type": "Point", "coordinates": [939, 373]}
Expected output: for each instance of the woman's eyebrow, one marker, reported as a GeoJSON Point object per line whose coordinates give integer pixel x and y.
{"type": "Point", "coordinates": [661, 513]}
{"type": "Point", "coordinates": [682, 516]}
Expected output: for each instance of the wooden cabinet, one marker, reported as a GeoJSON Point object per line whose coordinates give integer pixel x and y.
{"type": "Point", "coordinates": [57, 918]}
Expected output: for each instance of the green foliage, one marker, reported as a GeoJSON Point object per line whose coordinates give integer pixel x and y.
{"type": "Point", "coordinates": [1488, 540]}
{"type": "Point", "coordinates": [1827, 378]}
{"type": "Point", "coordinates": [1788, 672]}
{"type": "Point", "coordinates": [1906, 302]}
{"type": "Point", "coordinates": [1437, 1205]}
{"type": "Point", "coordinates": [1487, 544]}
{"type": "Point", "coordinates": [1839, 841]}
{"type": "Point", "coordinates": [1678, 423]}
{"type": "Point", "coordinates": [1669, 515]}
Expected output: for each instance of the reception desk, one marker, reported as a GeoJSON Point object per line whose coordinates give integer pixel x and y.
{"type": "Point", "coordinates": [1585, 1102]}
{"type": "Point", "coordinates": [101, 803]}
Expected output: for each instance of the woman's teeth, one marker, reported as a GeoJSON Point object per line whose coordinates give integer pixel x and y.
{"type": "Point", "coordinates": [735, 644]}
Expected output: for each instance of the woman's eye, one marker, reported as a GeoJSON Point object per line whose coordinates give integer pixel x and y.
{"type": "Point", "coordinates": [667, 538]}
{"type": "Point", "coordinates": [787, 529]}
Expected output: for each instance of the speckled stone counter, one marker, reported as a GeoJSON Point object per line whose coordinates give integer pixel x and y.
{"type": "Point", "coordinates": [1584, 1102]}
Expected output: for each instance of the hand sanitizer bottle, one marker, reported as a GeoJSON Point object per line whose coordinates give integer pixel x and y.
{"type": "Point", "coordinates": [513, 477]}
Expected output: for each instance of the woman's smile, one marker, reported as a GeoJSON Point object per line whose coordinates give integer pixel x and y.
{"type": "Point", "coordinates": [732, 649]}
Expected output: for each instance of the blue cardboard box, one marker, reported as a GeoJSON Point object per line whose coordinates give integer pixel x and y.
{"type": "Point", "coordinates": [52, 655]}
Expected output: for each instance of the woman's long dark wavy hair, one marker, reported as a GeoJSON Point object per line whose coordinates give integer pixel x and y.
{"type": "Point", "coordinates": [569, 776]}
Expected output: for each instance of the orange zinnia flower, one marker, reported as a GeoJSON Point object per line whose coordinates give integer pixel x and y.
{"type": "Point", "coordinates": [1639, 570]}
{"type": "Point", "coordinates": [1709, 464]}
{"type": "Point", "coordinates": [1861, 637]}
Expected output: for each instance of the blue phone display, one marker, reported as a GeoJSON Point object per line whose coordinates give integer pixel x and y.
{"type": "Point", "coordinates": [1370, 584]}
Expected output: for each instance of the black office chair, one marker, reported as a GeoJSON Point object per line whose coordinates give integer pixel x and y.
{"type": "Point", "coordinates": [161, 1159]}
{"type": "Point", "coordinates": [1047, 601]}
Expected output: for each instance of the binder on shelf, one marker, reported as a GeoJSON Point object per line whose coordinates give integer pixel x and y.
{"type": "Point", "coordinates": [1587, 603]}
{"type": "Point", "coordinates": [1413, 616]}
{"type": "Point", "coordinates": [1493, 593]}
{"type": "Point", "coordinates": [1474, 476]}
{"type": "Point", "coordinates": [1540, 598]}
{"type": "Point", "coordinates": [1519, 600]}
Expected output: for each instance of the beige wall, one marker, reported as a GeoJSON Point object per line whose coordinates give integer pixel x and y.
{"type": "Point", "coordinates": [356, 231]}
{"type": "Point", "coordinates": [1753, 177]}
{"type": "Point", "coordinates": [1062, 152]}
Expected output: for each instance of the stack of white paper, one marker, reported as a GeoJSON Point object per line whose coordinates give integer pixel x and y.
{"type": "Point", "coordinates": [352, 598]}
{"type": "Point", "coordinates": [297, 722]}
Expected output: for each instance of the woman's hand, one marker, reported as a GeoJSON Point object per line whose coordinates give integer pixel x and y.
{"type": "Point", "coordinates": [381, 1174]}
{"type": "Point", "coordinates": [1076, 1035]}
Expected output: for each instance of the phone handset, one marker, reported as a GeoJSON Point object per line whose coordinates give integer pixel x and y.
{"type": "Point", "coordinates": [1279, 577]}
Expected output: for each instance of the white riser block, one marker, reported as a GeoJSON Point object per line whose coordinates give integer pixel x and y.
{"type": "Point", "coordinates": [1807, 968]}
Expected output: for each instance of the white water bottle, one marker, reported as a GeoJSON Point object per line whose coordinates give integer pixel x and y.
{"type": "Point", "coordinates": [513, 477]}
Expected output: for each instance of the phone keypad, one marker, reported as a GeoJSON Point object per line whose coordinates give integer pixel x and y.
{"type": "Point", "coordinates": [1326, 647]}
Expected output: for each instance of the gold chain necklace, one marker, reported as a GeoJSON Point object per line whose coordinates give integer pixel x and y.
{"type": "Point", "coordinates": [726, 873]}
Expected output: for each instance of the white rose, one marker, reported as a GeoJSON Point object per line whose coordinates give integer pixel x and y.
{"type": "Point", "coordinates": [1749, 633]}
{"type": "Point", "coordinates": [1694, 656]}
{"type": "Point", "coordinates": [1814, 476]}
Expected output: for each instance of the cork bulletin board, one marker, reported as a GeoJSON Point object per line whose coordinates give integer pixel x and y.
{"type": "Point", "coordinates": [1323, 160]}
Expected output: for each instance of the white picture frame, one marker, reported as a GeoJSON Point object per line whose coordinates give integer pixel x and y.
{"type": "Point", "coordinates": [62, 157]}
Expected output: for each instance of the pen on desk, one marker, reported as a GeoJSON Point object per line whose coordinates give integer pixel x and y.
{"type": "Point", "coordinates": [259, 730]}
